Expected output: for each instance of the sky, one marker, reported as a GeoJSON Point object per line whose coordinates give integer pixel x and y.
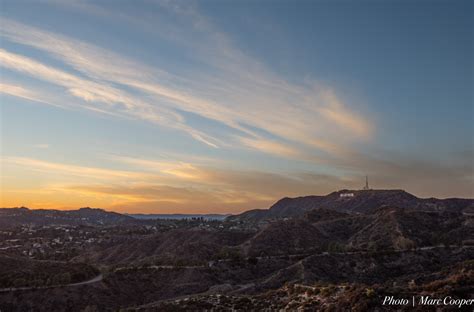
{"type": "Point", "coordinates": [224, 106]}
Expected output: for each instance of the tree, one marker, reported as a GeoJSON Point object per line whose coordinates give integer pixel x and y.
{"type": "Point", "coordinates": [19, 282]}
{"type": "Point", "coordinates": [336, 247]}
{"type": "Point", "coordinates": [406, 244]}
{"type": "Point", "coordinates": [369, 292]}
{"type": "Point", "coordinates": [61, 279]}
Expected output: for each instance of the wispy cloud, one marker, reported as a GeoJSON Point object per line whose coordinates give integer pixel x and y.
{"type": "Point", "coordinates": [235, 91]}
{"type": "Point", "coordinates": [20, 91]}
{"type": "Point", "coordinates": [270, 147]}
{"type": "Point", "coordinates": [177, 186]}
{"type": "Point", "coordinates": [41, 145]}
{"type": "Point", "coordinates": [15, 90]}
{"type": "Point", "coordinates": [175, 169]}
{"type": "Point", "coordinates": [164, 184]}
{"type": "Point", "coordinates": [224, 98]}
{"type": "Point", "coordinates": [111, 100]}
{"type": "Point", "coordinates": [72, 170]}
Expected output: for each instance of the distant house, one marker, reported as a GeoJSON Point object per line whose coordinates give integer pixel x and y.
{"type": "Point", "coordinates": [346, 195]}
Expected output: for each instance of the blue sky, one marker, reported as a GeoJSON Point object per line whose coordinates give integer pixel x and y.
{"type": "Point", "coordinates": [219, 106]}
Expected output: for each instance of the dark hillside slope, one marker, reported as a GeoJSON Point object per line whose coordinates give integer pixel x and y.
{"type": "Point", "coordinates": [387, 229]}
{"type": "Point", "coordinates": [11, 217]}
{"type": "Point", "coordinates": [186, 247]}
{"type": "Point", "coordinates": [25, 272]}
{"type": "Point", "coordinates": [403, 229]}
{"type": "Point", "coordinates": [285, 238]}
{"type": "Point", "coordinates": [361, 202]}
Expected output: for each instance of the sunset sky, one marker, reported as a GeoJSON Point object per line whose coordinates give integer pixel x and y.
{"type": "Point", "coordinates": [224, 106]}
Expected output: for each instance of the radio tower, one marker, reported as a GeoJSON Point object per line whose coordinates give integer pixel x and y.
{"type": "Point", "coordinates": [366, 187]}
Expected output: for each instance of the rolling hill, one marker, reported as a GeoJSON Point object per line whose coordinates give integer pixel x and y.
{"type": "Point", "coordinates": [353, 202]}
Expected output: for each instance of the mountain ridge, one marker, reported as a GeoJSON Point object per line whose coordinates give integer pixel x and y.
{"type": "Point", "coordinates": [84, 216]}
{"type": "Point", "coordinates": [354, 202]}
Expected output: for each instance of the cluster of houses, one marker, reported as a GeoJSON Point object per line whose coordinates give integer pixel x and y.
{"type": "Point", "coordinates": [45, 241]}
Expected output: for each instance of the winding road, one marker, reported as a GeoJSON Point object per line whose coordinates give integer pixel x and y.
{"type": "Point", "coordinates": [100, 277]}
{"type": "Point", "coordinates": [95, 279]}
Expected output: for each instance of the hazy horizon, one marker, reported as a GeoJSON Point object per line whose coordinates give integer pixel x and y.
{"type": "Point", "coordinates": [117, 209]}
{"type": "Point", "coordinates": [220, 107]}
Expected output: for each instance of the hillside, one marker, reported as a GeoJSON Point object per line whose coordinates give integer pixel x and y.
{"type": "Point", "coordinates": [386, 229]}
{"type": "Point", "coordinates": [285, 238]}
{"type": "Point", "coordinates": [348, 250]}
{"type": "Point", "coordinates": [181, 247]}
{"type": "Point", "coordinates": [404, 229]}
{"type": "Point", "coordinates": [456, 281]}
{"type": "Point", "coordinates": [317, 230]}
{"type": "Point", "coordinates": [10, 217]}
{"type": "Point", "coordinates": [24, 272]}
{"type": "Point", "coordinates": [243, 286]}
{"type": "Point", "coordinates": [353, 202]}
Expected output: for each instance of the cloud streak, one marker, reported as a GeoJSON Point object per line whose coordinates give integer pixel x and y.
{"type": "Point", "coordinates": [71, 170]}
{"type": "Point", "coordinates": [229, 101]}
{"type": "Point", "coordinates": [242, 91]}
{"type": "Point", "coordinates": [160, 185]}
{"type": "Point", "coordinates": [163, 185]}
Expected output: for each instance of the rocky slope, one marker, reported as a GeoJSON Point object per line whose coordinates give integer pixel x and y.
{"type": "Point", "coordinates": [456, 281]}
{"type": "Point", "coordinates": [175, 247]}
{"type": "Point", "coordinates": [386, 229]}
{"type": "Point", "coordinates": [312, 253]}
{"type": "Point", "coordinates": [358, 202]}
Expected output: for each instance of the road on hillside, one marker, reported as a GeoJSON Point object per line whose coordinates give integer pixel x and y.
{"type": "Point", "coordinates": [95, 279]}
{"type": "Point", "coordinates": [159, 267]}
{"type": "Point", "coordinates": [100, 277]}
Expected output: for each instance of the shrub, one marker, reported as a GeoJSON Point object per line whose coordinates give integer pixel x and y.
{"type": "Point", "coordinates": [252, 260]}
{"type": "Point", "coordinates": [370, 292]}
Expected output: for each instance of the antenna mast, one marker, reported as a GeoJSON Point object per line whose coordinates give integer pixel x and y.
{"type": "Point", "coordinates": [366, 187]}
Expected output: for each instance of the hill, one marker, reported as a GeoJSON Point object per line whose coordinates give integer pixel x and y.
{"type": "Point", "coordinates": [353, 202]}
{"type": "Point", "coordinates": [314, 252]}
{"type": "Point", "coordinates": [388, 228]}
{"type": "Point", "coordinates": [175, 247]}
{"type": "Point", "coordinates": [10, 217]}
{"type": "Point", "coordinates": [24, 272]}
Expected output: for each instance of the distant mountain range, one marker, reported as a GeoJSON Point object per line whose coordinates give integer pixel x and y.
{"type": "Point", "coordinates": [354, 202]}
{"type": "Point", "coordinates": [85, 216]}
{"type": "Point", "coordinates": [355, 220]}
{"type": "Point", "coordinates": [178, 216]}
{"type": "Point", "coordinates": [372, 241]}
